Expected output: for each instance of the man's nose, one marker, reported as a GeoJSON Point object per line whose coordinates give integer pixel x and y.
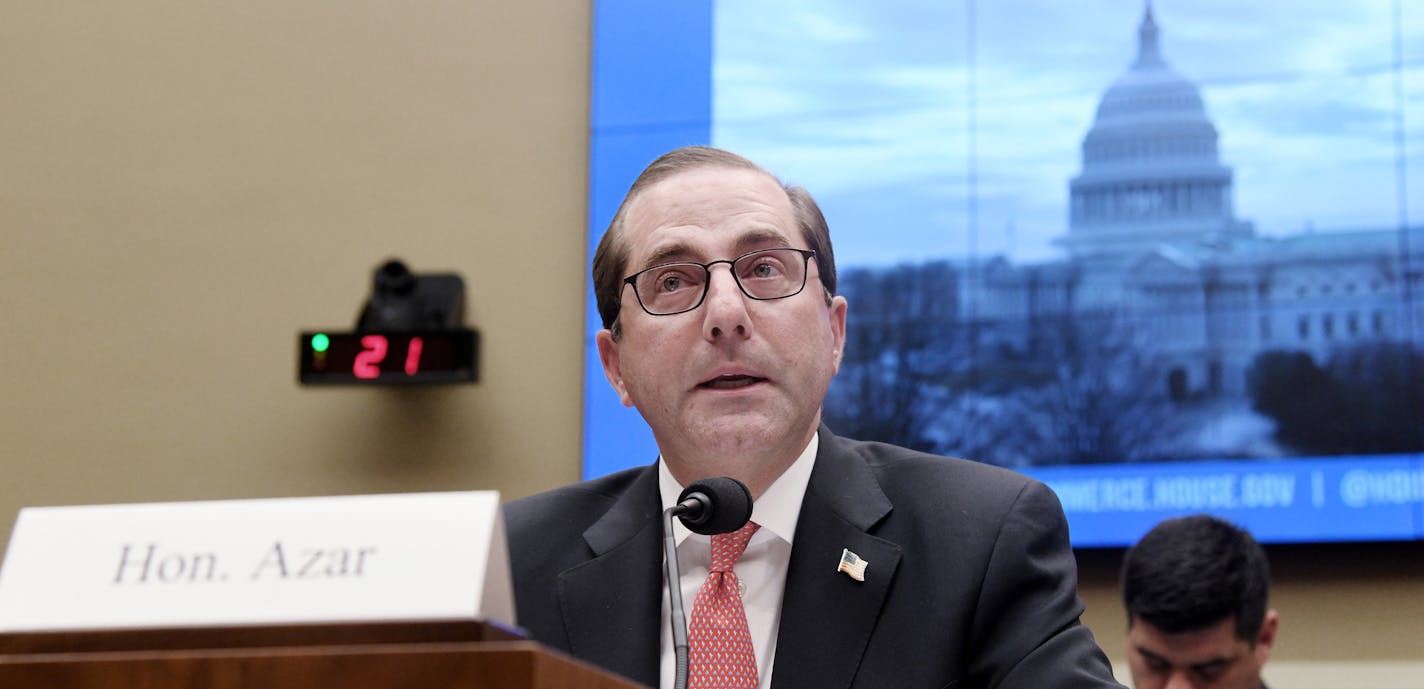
{"type": "Point", "coordinates": [1179, 679]}
{"type": "Point", "coordinates": [726, 306]}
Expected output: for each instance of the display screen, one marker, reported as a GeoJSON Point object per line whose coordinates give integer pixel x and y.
{"type": "Point", "coordinates": [1158, 255]}
{"type": "Point", "coordinates": [387, 358]}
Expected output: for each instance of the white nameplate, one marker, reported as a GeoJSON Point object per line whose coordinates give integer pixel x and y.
{"type": "Point", "coordinates": [324, 559]}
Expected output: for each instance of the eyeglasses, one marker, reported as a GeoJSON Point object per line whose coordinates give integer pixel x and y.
{"type": "Point", "coordinates": [670, 288]}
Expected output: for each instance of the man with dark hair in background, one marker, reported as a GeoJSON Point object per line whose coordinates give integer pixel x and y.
{"type": "Point", "coordinates": [1196, 589]}
{"type": "Point", "coordinates": [864, 565]}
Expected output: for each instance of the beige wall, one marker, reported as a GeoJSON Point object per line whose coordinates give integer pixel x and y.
{"type": "Point", "coordinates": [184, 186]}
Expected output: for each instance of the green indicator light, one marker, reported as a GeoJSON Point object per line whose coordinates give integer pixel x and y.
{"type": "Point", "coordinates": [320, 342]}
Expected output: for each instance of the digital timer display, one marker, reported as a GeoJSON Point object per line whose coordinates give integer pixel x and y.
{"type": "Point", "coordinates": [387, 358]}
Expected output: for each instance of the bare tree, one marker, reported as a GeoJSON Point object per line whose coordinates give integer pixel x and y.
{"type": "Point", "coordinates": [1104, 399]}
{"type": "Point", "coordinates": [1084, 392]}
{"type": "Point", "coordinates": [900, 325]}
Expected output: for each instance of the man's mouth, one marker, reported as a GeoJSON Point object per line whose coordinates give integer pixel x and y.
{"type": "Point", "coordinates": [730, 382]}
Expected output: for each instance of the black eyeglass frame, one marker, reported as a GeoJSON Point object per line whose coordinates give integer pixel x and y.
{"type": "Point", "coordinates": [806, 256]}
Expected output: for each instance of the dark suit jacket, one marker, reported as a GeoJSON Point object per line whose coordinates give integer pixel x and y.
{"type": "Point", "coordinates": [970, 583]}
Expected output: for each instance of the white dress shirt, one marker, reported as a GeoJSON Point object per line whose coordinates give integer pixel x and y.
{"type": "Point", "coordinates": [761, 570]}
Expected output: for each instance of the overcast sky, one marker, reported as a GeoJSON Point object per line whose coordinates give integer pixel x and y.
{"type": "Point", "coordinates": [867, 105]}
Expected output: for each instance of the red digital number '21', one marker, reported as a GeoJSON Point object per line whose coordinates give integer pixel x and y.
{"type": "Point", "coordinates": [374, 347]}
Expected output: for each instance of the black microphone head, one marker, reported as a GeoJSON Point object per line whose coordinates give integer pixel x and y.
{"type": "Point", "coordinates": [726, 505]}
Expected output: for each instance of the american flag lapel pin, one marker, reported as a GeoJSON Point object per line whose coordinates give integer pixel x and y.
{"type": "Point", "coordinates": [852, 565]}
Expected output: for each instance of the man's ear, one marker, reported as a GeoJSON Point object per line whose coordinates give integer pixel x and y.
{"type": "Point", "coordinates": [1267, 637]}
{"type": "Point", "coordinates": [612, 365]}
{"type": "Point", "coordinates": [838, 330]}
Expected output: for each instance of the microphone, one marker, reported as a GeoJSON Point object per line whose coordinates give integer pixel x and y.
{"type": "Point", "coordinates": [714, 505]}
{"type": "Point", "coordinates": [710, 506]}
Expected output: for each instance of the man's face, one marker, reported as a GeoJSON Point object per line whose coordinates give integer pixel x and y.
{"type": "Point", "coordinates": [733, 387]}
{"type": "Point", "coordinates": [1209, 657]}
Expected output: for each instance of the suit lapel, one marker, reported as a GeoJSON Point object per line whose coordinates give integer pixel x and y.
{"type": "Point", "coordinates": [826, 616]}
{"type": "Point", "coordinates": [612, 603]}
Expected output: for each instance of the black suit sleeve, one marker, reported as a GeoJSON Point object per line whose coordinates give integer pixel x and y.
{"type": "Point", "coordinates": [1026, 629]}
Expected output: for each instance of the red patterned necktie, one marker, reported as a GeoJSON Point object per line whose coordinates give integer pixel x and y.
{"type": "Point", "coordinates": [720, 652]}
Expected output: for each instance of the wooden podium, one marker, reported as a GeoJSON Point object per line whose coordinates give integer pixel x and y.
{"type": "Point", "coordinates": [384, 655]}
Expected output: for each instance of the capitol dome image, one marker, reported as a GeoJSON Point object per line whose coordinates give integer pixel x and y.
{"type": "Point", "coordinates": [1167, 328]}
{"type": "Point", "coordinates": [1155, 246]}
{"type": "Point", "coordinates": [1151, 168]}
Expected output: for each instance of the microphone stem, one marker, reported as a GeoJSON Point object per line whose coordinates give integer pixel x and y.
{"type": "Point", "coordinates": [679, 621]}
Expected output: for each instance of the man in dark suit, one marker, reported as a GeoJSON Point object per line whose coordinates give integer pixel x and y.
{"type": "Point", "coordinates": [1195, 589]}
{"type": "Point", "coordinates": [868, 565]}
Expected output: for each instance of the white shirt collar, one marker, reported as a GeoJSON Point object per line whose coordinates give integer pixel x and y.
{"type": "Point", "coordinates": [776, 510]}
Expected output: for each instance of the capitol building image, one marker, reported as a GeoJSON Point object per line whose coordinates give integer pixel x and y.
{"type": "Point", "coordinates": [1155, 246]}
